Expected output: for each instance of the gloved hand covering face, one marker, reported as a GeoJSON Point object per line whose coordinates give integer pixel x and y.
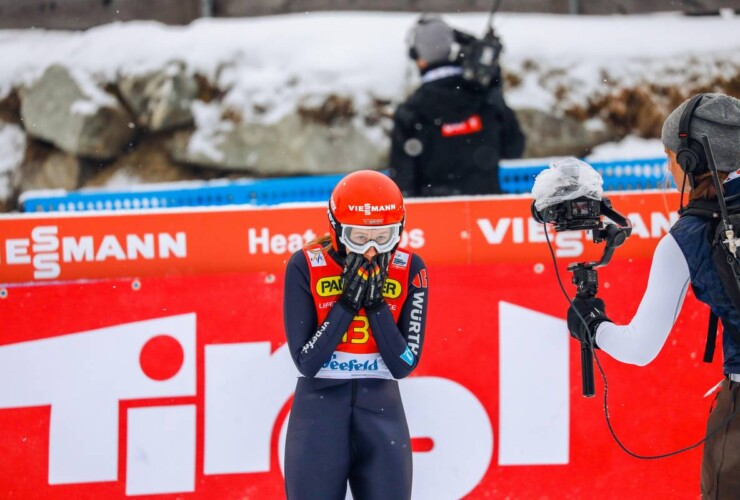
{"type": "Point", "coordinates": [355, 282]}
{"type": "Point", "coordinates": [378, 272]}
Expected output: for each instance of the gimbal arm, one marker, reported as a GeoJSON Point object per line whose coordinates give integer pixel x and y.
{"type": "Point", "coordinates": [586, 278]}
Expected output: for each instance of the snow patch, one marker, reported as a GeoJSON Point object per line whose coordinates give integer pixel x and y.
{"type": "Point", "coordinates": [122, 179]}
{"type": "Point", "coordinates": [629, 147]}
{"type": "Point", "coordinates": [210, 130]}
{"type": "Point", "coordinates": [268, 63]}
{"type": "Point", "coordinates": [86, 108]}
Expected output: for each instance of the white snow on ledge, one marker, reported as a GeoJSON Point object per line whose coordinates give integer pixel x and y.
{"type": "Point", "coordinates": [282, 58]}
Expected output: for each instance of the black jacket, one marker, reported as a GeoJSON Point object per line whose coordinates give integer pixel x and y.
{"type": "Point", "coordinates": [448, 138]}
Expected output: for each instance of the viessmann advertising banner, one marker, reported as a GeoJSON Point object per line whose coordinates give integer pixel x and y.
{"type": "Point", "coordinates": [456, 231]}
{"type": "Point", "coordinates": [143, 354]}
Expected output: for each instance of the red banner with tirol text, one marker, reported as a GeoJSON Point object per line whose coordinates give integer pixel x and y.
{"type": "Point", "coordinates": [143, 355]}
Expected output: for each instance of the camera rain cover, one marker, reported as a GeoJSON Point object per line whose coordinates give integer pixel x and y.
{"type": "Point", "coordinates": [566, 179]}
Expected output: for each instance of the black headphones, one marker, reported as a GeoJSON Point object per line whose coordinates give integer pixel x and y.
{"type": "Point", "coordinates": [690, 155]}
{"type": "Point", "coordinates": [413, 54]}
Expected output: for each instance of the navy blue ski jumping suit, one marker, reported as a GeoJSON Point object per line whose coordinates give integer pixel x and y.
{"type": "Point", "coordinates": [347, 422]}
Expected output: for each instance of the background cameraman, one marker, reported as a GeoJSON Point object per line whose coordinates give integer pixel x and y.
{"type": "Point", "coordinates": [449, 135]}
{"type": "Point", "coordinates": [682, 256]}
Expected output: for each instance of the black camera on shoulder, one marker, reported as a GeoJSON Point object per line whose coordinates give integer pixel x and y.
{"type": "Point", "coordinates": [479, 58]}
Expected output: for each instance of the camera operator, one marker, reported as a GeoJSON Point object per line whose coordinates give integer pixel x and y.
{"type": "Point", "coordinates": [449, 135]}
{"type": "Point", "coordinates": [684, 256]}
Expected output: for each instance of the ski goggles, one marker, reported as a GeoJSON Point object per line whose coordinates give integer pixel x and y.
{"type": "Point", "coordinates": [359, 239]}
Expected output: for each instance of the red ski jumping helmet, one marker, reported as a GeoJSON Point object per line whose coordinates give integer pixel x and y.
{"type": "Point", "coordinates": [366, 210]}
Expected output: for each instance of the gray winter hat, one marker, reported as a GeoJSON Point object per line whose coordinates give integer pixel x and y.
{"type": "Point", "coordinates": [432, 39]}
{"type": "Point", "coordinates": [718, 117]}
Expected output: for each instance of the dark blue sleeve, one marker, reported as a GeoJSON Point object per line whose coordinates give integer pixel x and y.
{"type": "Point", "coordinates": [400, 344]}
{"type": "Point", "coordinates": [310, 346]}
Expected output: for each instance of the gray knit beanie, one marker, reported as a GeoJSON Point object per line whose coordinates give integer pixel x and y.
{"type": "Point", "coordinates": [432, 39]}
{"type": "Point", "coordinates": [718, 117]}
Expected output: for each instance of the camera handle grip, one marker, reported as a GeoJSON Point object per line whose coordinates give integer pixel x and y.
{"type": "Point", "coordinates": [585, 277]}
{"type": "Point", "coordinates": [587, 371]}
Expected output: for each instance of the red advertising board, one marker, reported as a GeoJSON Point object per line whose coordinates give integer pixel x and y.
{"type": "Point", "coordinates": [452, 231]}
{"type": "Point", "coordinates": [175, 380]}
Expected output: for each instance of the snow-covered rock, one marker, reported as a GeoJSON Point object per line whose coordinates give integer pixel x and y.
{"type": "Point", "coordinates": [47, 168]}
{"type": "Point", "coordinates": [68, 109]}
{"type": "Point", "coordinates": [160, 100]}
{"type": "Point", "coordinates": [295, 144]}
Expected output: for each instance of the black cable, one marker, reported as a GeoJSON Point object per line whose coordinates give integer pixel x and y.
{"type": "Point", "coordinates": [683, 186]}
{"type": "Point", "coordinates": [606, 384]}
{"type": "Point", "coordinates": [560, 282]}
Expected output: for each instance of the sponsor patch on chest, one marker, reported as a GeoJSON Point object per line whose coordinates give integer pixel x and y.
{"type": "Point", "coordinates": [329, 286]}
{"type": "Point", "coordinates": [317, 259]}
{"type": "Point", "coordinates": [400, 260]}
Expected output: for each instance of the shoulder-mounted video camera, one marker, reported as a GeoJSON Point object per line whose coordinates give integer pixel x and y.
{"type": "Point", "coordinates": [479, 58]}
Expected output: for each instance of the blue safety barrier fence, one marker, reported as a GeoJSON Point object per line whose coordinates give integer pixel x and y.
{"type": "Point", "coordinates": [185, 194]}
{"type": "Point", "coordinates": [515, 178]}
{"type": "Point", "coordinates": [621, 175]}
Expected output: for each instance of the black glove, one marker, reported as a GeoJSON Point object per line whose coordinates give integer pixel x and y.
{"type": "Point", "coordinates": [354, 282]}
{"type": "Point", "coordinates": [377, 270]}
{"type": "Point", "coordinates": [593, 312]}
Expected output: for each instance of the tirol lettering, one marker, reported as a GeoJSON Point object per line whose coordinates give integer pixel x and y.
{"type": "Point", "coordinates": [233, 434]}
{"type": "Point", "coordinates": [351, 365]}
{"type": "Point", "coordinates": [47, 252]}
{"type": "Point", "coordinates": [415, 323]}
